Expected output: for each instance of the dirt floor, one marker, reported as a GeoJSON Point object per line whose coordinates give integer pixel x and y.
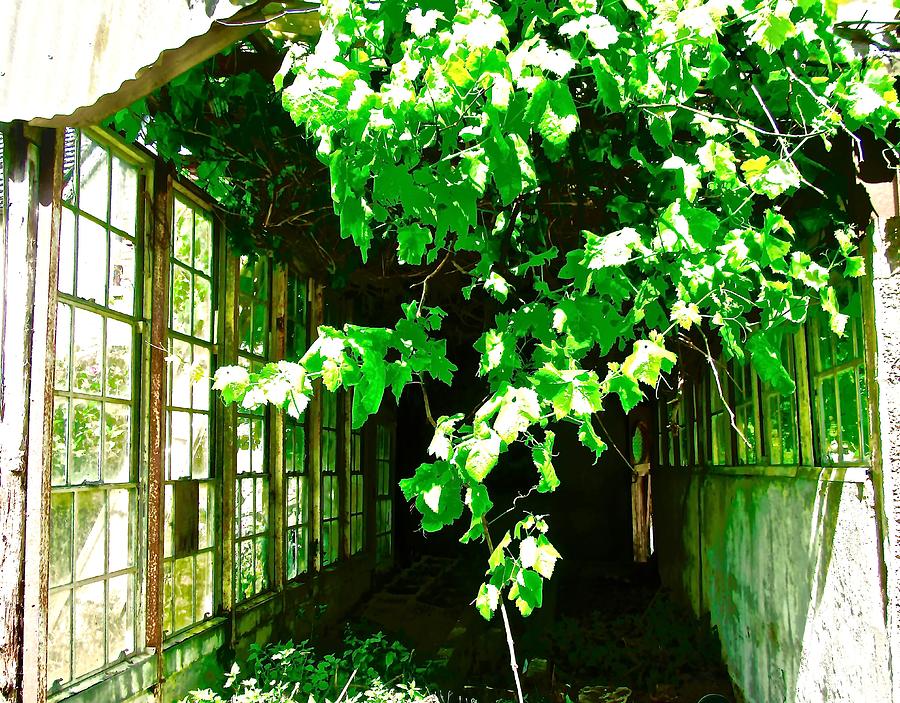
{"type": "Point", "coordinates": [606, 634]}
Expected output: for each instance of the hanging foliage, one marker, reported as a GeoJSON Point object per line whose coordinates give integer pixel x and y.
{"type": "Point", "coordinates": [610, 175]}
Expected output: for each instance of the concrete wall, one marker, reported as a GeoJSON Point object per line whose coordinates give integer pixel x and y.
{"type": "Point", "coordinates": [884, 264]}
{"type": "Point", "coordinates": [788, 569]}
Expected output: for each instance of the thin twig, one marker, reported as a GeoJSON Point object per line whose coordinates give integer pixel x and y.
{"type": "Point", "coordinates": [346, 687]}
{"type": "Point", "coordinates": [715, 371]}
{"type": "Point", "coordinates": [615, 446]}
{"type": "Point", "coordinates": [428, 415]}
{"type": "Point", "coordinates": [509, 638]}
{"type": "Point", "coordinates": [519, 497]}
{"type": "Point", "coordinates": [723, 118]}
{"type": "Point", "coordinates": [424, 282]}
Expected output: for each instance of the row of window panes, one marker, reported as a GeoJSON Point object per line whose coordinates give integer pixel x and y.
{"type": "Point", "coordinates": [93, 502]}
{"type": "Point", "coordinates": [384, 507]}
{"type": "Point", "coordinates": [295, 458]}
{"type": "Point", "coordinates": [330, 486]}
{"type": "Point", "coordinates": [189, 549]}
{"type": "Point", "coordinates": [357, 494]}
{"type": "Point", "coordinates": [839, 398]}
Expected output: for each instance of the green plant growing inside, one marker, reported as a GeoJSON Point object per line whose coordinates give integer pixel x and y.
{"type": "Point", "coordinates": [612, 179]}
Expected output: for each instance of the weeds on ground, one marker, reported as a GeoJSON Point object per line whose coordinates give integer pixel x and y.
{"type": "Point", "coordinates": [368, 669]}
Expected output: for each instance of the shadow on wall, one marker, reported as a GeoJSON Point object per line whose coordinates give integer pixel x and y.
{"type": "Point", "coordinates": [787, 569]}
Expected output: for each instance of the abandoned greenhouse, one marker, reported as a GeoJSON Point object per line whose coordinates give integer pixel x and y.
{"type": "Point", "coordinates": [173, 248]}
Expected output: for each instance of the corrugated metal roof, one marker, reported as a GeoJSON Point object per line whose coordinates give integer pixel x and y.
{"type": "Point", "coordinates": [58, 57]}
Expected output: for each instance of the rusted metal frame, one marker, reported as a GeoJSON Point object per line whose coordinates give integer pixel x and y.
{"type": "Point", "coordinates": [158, 301]}
{"type": "Point", "coordinates": [228, 355]}
{"type": "Point", "coordinates": [314, 436]}
{"type": "Point", "coordinates": [18, 262]}
{"type": "Point", "coordinates": [276, 435]}
{"type": "Point", "coordinates": [37, 515]}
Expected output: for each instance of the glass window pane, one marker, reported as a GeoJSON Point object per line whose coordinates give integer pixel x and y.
{"type": "Point", "coordinates": [261, 546]}
{"type": "Point", "coordinates": [169, 524]}
{"type": "Point", "coordinates": [88, 352]}
{"type": "Point", "coordinates": [245, 328]}
{"type": "Point", "coordinates": [85, 441]}
{"type": "Point", "coordinates": [90, 531]}
{"type": "Point", "coordinates": [850, 426]}
{"type": "Point", "coordinates": [829, 425]}
{"type": "Point", "coordinates": [90, 621]}
{"type": "Point", "coordinates": [203, 582]}
{"type": "Point", "coordinates": [200, 371]}
{"type": "Point", "coordinates": [246, 577]}
{"type": "Point", "coordinates": [184, 594]}
{"type": "Point", "coordinates": [180, 362]}
{"type": "Point", "coordinates": [202, 242]}
{"type": "Point", "coordinates": [788, 421]}
{"type": "Point", "coordinates": [120, 614]}
{"type": "Point", "coordinates": [60, 460]}
{"type": "Point", "coordinates": [243, 445]}
{"type": "Point", "coordinates": [200, 446]}
{"type": "Point", "coordinates": [260, 329]}
{"type": "Point", "coordinates": [117, 428]}
{"type": "Point", "coordinates": [262, 504]}
{"type": "Point", "coordinates": [168, 591]}
{"type": "Point", "coordinates": [121, 273]}
{"type": "Point", "coordinates": [179, 445]}
{"type": "Point", "coordinates": [63, 340]}
{"type": "Point", "coordinates": [206, 517]}
{"type": "Point", "coordinates": [124, 195]}
{"type": "Point", "coordinates": [120, 549]}
{"type": "Point", "coordinates": [93, 179]}
{"type": "Point", "coordinates": [202, 308]}
{"type": "Point", "coordinates": [258, 446]}
{"type": "Point", "coordinates": [291, 508]}
{"type": "Point", "coordinates": [181, 300]}
{"type": "Point", "coordinates": [61, 538]}
{"type": "Point", "coordinates": [183, 231]}
{"type": "Point", "coordinates": [118, 359]}
{"type": "Point", "coordinates": [823, 344]}
{"type": "Point", "coordinates": [245, 497]}
{"type": "Point", "coordinates": [59, 621]}
{"type": "Point", "coordinates": [91, 267]}
{"type": "Point", "coordinates": [66, 271]}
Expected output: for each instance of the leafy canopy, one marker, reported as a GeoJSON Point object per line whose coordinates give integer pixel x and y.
{"type": "Point", "coordinates": [692, 143]}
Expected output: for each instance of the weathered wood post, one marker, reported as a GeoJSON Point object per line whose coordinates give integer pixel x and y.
{"type": "Point", "coordinates": [27, 331]}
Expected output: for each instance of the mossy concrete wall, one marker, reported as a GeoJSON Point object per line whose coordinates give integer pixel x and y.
{"type": "Point", "coordinates": [788, 570]}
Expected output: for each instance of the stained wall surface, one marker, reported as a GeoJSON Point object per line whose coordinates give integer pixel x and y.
{"type": "Point", "coordinates": [787, 569]}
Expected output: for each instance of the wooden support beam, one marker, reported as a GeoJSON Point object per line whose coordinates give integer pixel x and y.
{"type": "Point", "coordinates": [18, 262]}
{"type": "Point", "coordinates": [37, 516]}
{"type": "Point", "coordinates": [227, 354]}
{"type": "Point", "coordinates": [316, 316]}
{"type": "Point", "coordinates": [276, 436]}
